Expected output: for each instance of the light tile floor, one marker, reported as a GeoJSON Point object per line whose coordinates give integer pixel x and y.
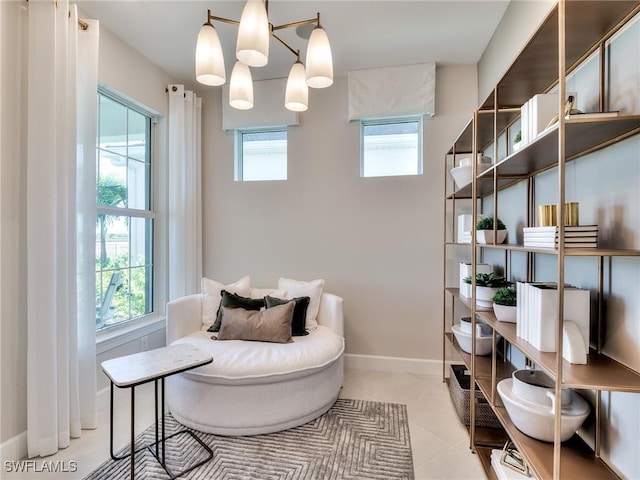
{"type": "Point", "coordinates": [439, 442]}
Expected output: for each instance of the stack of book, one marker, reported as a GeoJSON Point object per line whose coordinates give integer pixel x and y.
{"type": "Point", "coordinates": [580, 236]}
{"type": "Point", "coordinates": [537, 313]}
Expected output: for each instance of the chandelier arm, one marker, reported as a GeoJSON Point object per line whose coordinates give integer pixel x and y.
{"type": "Point", "coordinates": [295, 52]}
{"type": "Point", "coordinates": [222, 19]}
{"type": "Point", "coordinates": [296, 24]}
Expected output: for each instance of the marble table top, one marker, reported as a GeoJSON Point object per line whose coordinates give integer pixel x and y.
{"type": "Point", "coordinates": [143, 367]}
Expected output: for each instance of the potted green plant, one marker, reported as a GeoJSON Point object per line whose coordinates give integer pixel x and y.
{"type": "Point", "coordinates": [504, 304]}
{"type": "Point", "coordinates": [484, 231]}
{"type": "Point", "coordinates": [487, 284]}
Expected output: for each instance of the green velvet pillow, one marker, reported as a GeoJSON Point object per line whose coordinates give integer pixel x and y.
{"type": "Point", "coordinates": [298, 327]}
{"type": "Point", "coordinates": [233, 300]}
{"type": "Point", "coordinates": [270, 325]}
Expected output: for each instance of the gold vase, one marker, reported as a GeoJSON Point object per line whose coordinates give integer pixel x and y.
{"type": "Point", "coordinates": [547, 215]}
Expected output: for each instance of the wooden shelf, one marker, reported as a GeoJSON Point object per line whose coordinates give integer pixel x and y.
{"type": "Point", "coordinates": [600, 373]}
{"type": "Point", "coordinates": [484, 455]}
{"type": "Point", "coordinates": [588, 25]}
{"type": "Point", "coordinates": [583, 135]}
{"type": "Point", "coordinates": [576, 458]}
{"type": "Point", "coordinates": [571, 252]}
{"type": "Point", "coordinates": [536, 66]}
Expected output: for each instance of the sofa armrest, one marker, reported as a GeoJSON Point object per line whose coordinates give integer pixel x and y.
{"type": "Point", "coordinates": [331, 313]}
{"type": "Point", "coordinates": [184, 316]}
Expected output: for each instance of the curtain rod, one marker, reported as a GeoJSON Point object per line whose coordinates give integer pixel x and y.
{"type": "Point", "coordinates": [81, 23]}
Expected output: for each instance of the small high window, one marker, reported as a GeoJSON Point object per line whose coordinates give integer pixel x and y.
{"type": "Point", "coordinates": [391, 147]}
{"type": "Point", "coordinates": [261, 155]}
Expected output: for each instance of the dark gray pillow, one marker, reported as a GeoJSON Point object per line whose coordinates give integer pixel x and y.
{"type": "Point", "coordinates": [270, 325]}
{"type": "Point", "coordinates": [233, 300]}
{"type": "Point", "coordinates": [298, 327]}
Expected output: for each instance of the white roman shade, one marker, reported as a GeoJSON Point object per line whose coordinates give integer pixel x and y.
{"type": "Point", "coordinates": [392, 91]}
{"type": "Point", "coordinates": [268, 108]}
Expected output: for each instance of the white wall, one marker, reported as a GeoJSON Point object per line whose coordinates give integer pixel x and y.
{"type": "Point", "coordinates": [121, 69]}
{"type": "Point", "coordinates": [376, 241]}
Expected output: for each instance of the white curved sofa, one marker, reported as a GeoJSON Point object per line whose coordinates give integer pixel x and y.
{"type": "Point", "coordinates": [255, 387]}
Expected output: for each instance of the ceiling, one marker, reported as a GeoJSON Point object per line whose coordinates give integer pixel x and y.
{"type": "Point", "coordinates": [363, 34]}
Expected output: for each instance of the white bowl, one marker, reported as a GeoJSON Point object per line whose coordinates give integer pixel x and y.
{"type": "Point", "coordinates": [537, 421]}
{"type": "Point", "coordinates": [484, 344]}
{"type": "Point", "coordinates": [486, 236]}
{"type": "Point", "coordinates": [505, 313]}
{"type": "Point", "coordinates": [462, 175]}
{"type": "Point", "coordinates": [534, 386]}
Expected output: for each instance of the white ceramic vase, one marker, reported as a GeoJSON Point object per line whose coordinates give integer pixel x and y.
{"type": "Point", "coordinates": [485, 237]}
{"type": "Point", "coordinates": [484, 296]}
{"type": "Point", "coordinates": [505, 313]}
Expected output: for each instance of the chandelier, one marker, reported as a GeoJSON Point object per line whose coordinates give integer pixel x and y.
{"type": "Point", "coordinates": [252, 50]}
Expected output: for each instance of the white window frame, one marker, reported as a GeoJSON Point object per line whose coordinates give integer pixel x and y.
{"type": "Point", "coordinates": [392, 121]}
{"type": "Point", "coordinates": [118, 333]}
{"type": "Point", "coordinates": [238, 173]}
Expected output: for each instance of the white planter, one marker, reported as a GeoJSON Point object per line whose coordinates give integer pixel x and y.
{"type": "Point", "coordinates": [484, 296]}
{"type": "Point", "coordinates": [485, 237]}
{"type": "Point", "coordinates": [466, 270]}
{"type": "Point", "coordinates": [505, 313]}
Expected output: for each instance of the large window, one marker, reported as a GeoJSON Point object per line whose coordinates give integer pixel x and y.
{"type": "Point", "coordinates": [261, 155]}
{"type": "Point", "coordinates": [124, 224]}
{"type": "Point", "coordinates": [391, 147]}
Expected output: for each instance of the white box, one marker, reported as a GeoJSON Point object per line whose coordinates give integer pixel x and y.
{"type": "Point", "coordinates": [543, 314]}
{"type": "Point", "coordinates": [542, 108]}
{"type": "Point", "coordinates": [465, 225]}
{"type": "Point", "coordinates": [466, 270]}
{"type": "Point", "coordinates": [524, 123]}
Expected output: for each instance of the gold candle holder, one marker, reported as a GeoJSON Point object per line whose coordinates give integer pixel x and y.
{"type": "Point", "coordinates": [547, 215]}
{"type": "Point", "coordinates": [571, 214]}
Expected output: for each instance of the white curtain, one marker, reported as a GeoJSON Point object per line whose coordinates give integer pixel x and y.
{"type": "Point", "coordinates": [61, 135]}
{"type": "Point", "coordinates": [185, 203]}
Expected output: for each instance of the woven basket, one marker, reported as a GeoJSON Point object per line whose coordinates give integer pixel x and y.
{"type": "Point", "coordinates": [459, 386]}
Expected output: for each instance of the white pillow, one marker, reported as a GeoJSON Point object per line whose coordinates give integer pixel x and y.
{"type": "Point", "coordinates": [263, 292]}
{"type": "Point", "coordinates": [212, 294]}
{"type": "Point", "coordinates": [312, 289]}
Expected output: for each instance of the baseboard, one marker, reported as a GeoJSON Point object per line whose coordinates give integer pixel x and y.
{"type": "Point", "coordinates": [14, 449]}
{"type": "Point", "coordinates": [393, 364]}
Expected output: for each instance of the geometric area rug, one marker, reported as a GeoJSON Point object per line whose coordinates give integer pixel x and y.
{"type": "Point", "coordinates": [354, 440]}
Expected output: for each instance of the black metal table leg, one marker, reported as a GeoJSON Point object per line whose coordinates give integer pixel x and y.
{"type": "Point", "coordinates": [133, 431]}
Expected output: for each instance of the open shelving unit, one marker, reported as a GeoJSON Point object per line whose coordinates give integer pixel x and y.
{"type": "Point", "coordinates": [570, 34]}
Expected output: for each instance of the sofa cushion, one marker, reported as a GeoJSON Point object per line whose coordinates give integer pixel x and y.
{"type": "Point", "coordinates": [212, 294]}
{"type": "Point", "coordinates": [312, 289]}
{"type": "Point", "coordinates": [233, 300]}
{"type": "Point", "coordinates": [263, 292]}
{"type": "Point", "coordinates": [238, 362]}
{"type": "Point", "coordinates": [270, 325]}
{"type": "Point", "coordinates": [299, 312]}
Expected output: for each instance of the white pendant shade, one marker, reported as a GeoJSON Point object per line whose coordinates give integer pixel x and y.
{"type": "Point", "coordinates": [253, 35]}
{"type": "Point", "coordinates": [209, 58]}
{"type": "Point", "coordinates": [296, 97]}
{"type": "Point", "coordinates": [319, 62]}
{"type": "Point", "coordinates": [241, 87]}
